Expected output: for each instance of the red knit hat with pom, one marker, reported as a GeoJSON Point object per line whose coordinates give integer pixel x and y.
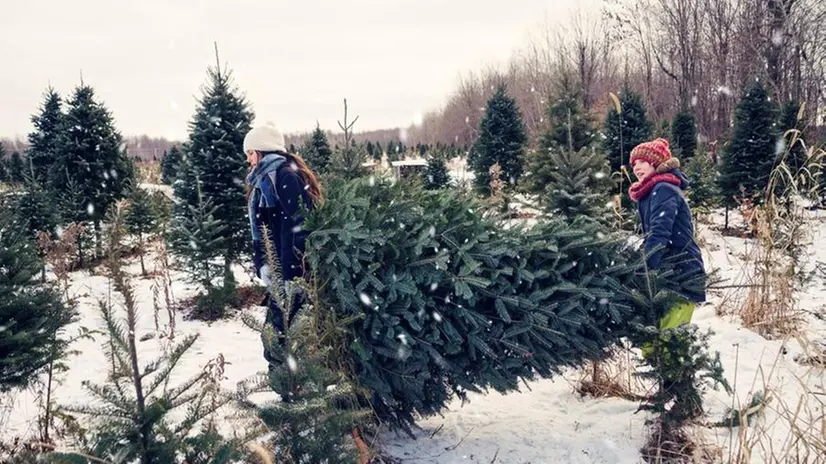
{"type": "Point", "coordinates": [655, 152]}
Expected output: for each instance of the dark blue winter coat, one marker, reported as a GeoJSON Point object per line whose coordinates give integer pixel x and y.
{"type": "Point", "coordinates": [666, 222]}
{"type": "Point", "coordinates": [277, 190]}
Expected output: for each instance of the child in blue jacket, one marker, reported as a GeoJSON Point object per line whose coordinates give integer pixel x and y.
{"type": "Point", "coordinates": [667, 224]}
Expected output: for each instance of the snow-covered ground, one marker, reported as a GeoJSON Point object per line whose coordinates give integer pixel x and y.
{"type": "Point", "coordinates": [550, 423]}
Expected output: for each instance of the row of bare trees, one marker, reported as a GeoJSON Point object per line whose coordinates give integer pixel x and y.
{"type": "Point", "coordinates": [691, 54]}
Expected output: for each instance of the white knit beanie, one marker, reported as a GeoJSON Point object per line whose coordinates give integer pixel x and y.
{"type": "Point", "coordinates": [264, 138]}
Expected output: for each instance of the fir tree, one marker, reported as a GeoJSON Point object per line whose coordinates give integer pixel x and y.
{"type": "Point", "coordinates": [702, 173]}
{"type": "Point", "coordinates": [501, 140]}
{"type": "Point", "coordinates": [16, 168]}
{"type": "Point", "coordinates": [136, 404]}
{"type": "Point", "coordinates": [793, 130]}
{"type": "Point", "coordinates": [32, 316]}
{"type": "Point", "coordinates": [568, 120]}
{"type": "Point", "coordinates": [169, 165]}
{"type": "Point", "coordinates": [347, 163]}
{"type": "Point", "coordinates": [579, 184]}
{"type": "Point", "coordinates": [435, 175]}
{"type": "Point", "coordinates": [371, 150]}
{"type": "Point", "coordinates": [197, 237]}
{"type": "Point", "coordinates": [292, 148]}
{"type": "Point", "coordinates": [90, 157]}
{"type": "Point", "coordinates": [569, 129]}
{"type": "Point", "coordinates": [216, 167]}
{"type": "Point", "coordinates": [684, 135]}
{"type": "Point", "coordinates": [623, 133]}
{"type": "Point", "coordinates": [43, 142]}
{"type": "Point", "coordinates": [4, 170]}
{"type": "Point", "coordinates": [140, 220]}
{"type": "Point", "coordinates": [749, 157]}
{"type": "Point", "coordinates": [37, 208]}
{"type": "Point", "coordinates": [316, 150]}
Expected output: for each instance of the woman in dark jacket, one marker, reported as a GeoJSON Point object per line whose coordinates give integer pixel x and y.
{"type": "Point", "coordinates": [667, 225]}
{"type": "Point", "coordinates": [278, 184]}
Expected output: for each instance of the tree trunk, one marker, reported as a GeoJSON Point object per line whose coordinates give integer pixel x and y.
{"type": "Point", "coordinates": [140, 253]}
{"type": "Point", "coordinates": [725, 227]}
{"type": "Point", "coordinates": [48, 413]}
{"type": "Point", "coordinates": [98, 240]}
{"type": "Point", "coordinates": [81, 261]}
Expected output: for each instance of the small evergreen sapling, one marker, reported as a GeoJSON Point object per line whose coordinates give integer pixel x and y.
{"type": "Point", "coordinates": [684, 135]}
{"type": "Point", "coordinates": [580, 185]}
{"type": "Point", "coordinates": [704, 193]}
{"type": "Point", "coordinates": [133, 423]}
{"type": "Point", "coordinates": [16, 167]}
{"type": "Point", "coordinates": [347, 162]}
{"type": "Point", "coordinates": [435, 175]}
{"type": "Point", "coordinates": [169, 165]}
{"type": "Point", "coordinates": [319, 415]}
{"type": "Point", "coordinates": [140, 220]}
{"type": "Point", "coordinates": [316, 150]}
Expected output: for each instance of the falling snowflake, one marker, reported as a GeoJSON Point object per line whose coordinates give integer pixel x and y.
{"type": "Point", "coordinates": [291, 363]}
{"type": "Point", "coordinates": [402, 338]}
{"type": "Point", "coordinates": [193, 245]}
{"type": "Point", "coordinates": [437, 316]}
{"type": "Point", "coordinates": [432, 231]}
{"type": "Point", "coordinates": [434, 286]}
{"type": "Point", "coordinates": [780, 146]}
{"type": "Point", "coordinates": [777, 37]}
{"type": "Point", "coordinates": [662, 213]}
{"type": "Point", "coordinates": [297, 229]}
{"type": "Point", "coordinates": [599, 175]}
{"type": "Point", "coordinates": [372, 181]}
{"type": "Point", "coordinates": [467, 120]}
{"type": "Point", "coordinates": [603, 301]}
{"type": "Point", "coordinates": [90, 209]}
{"type": "Point", "coordinates": [694, 100]}
{"type": "Point", "coordinates": [365, 299]}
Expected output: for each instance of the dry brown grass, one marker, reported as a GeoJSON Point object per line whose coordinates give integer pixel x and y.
{"type": "Point", "coordinates": [148, 172]}
{"type": "Point", "coordinates": [612, 378]}
{"type": "Point", "coordinates": [788, 428]}
{"type": "Point", "coordinates": [782, 235]}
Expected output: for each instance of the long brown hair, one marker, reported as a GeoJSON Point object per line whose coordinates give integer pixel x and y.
{"type": "Point", "coordinates": [310, 178]}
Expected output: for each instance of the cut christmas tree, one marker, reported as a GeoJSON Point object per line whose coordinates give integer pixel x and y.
{"type": "Point", "coordinates": [449, 301]}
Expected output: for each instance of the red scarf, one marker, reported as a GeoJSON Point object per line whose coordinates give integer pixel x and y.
{"type": "Point", "coordinates": [640, 190]}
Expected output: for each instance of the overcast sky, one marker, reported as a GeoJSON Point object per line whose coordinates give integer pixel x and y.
{"type": "Point", "coordinates": [295, 60]}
